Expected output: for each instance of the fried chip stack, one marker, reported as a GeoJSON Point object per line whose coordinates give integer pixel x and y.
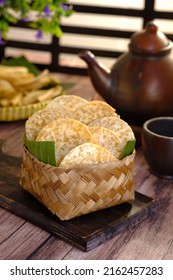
{"type": "Point", "coordinates": [20, 87]}
{"type": "Point", "coordinates": [84, 132]}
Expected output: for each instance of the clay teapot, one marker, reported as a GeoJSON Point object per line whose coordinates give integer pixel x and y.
{"type": "Point", "coordinates": [140, 84]}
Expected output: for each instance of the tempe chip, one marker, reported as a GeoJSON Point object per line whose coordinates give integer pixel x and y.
{"type": "Point", "coordinates": [108, 139]}
{"type": "Point", "coordinates": [67, 134]}
{"type": "Point", "coordinates": [92, 111]}
{"type": "Point", "coordinates": [41, 118]}
{"type": "Point", "coordinates": [87, 154]}
{"type": "Point", "coordinates": [117, 125]}
{"type": "Point", "coordinates": [68, 102]}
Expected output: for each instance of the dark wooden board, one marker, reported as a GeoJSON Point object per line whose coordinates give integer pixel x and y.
{"type": "Point", "coordinates": [85, 232]}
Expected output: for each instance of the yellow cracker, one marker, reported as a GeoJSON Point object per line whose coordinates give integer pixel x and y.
{"type": "Point", "coordinates": [100, 103]}
{"type": "Point", "coordinates": [87, 154]}
{"type": "Point", "coordinates": [41, 118]}
{"type": "Point", "coordinates": [117, 125]}
{"type": "Point", "coordinates": [108, 139]}
{"type": "Point", "coordinates": [92, 111]}
{"type": "Point", "coordinates": [5, 69]}
{"type": "Point", "coordinates": [68, 102]}
{"type": "Point", "coordinates": [6, 89]}
{"type": "Point", "coordinates": [67, 134]}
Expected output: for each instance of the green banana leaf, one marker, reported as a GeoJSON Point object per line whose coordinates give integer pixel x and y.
{"type": "Point", "coordinates": [42, 150]}
{"type": "Point", "coordinates": [129, 148]}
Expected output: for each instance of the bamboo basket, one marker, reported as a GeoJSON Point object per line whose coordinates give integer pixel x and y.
{"type": "Point", "coordinates": [73, 192]}
{"type": "Point", "coordinates": [15, 113]}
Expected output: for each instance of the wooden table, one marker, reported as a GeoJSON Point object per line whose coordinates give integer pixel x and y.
{"type": "Point", "coordinates": [151, 239]}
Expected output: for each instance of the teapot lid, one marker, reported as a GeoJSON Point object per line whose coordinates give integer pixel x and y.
{"type": "Point", "coordinates": [150, 41]}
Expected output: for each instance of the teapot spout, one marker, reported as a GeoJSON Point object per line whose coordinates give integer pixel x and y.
{"type": "Point", "coordinates": [98, 73]}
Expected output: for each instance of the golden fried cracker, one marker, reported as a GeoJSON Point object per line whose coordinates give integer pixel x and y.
{"type": "Point", "coordinates": [87, 154]}
{"type": "Point", "coordinates": [108, 139]}
{"type": "Point", "coordinates": [67, 134]}
{"type": "Point", "coordinates": [68, 102]}
{"type": "Point", "coordinates": [41, 118]}
{"type": "Point", "coordinates": [118, 126]}
{"type": "Point", "coordinates": [92, 111]}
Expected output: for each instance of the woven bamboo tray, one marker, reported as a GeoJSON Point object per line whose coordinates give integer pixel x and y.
{"type": "Point", "coordinates": [73, 192]}
{"type": "Point", "coordinates": [20, 112]}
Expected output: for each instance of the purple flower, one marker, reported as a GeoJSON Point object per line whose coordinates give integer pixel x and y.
{"type": "Point", "coordinates": [39, 34]}
{"type": "Point", "coordinates": [24, 19]}
{"type": "Point", "coordinates": [2, 42]}
{"type": "Point", "coordinates": [2, 3]}
{"type": "Point", "coordinates": [47, 11]}
{"type": "Point", "coordinates": [64, 7]}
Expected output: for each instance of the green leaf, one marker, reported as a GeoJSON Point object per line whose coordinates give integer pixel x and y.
{"type": "Point", "coordinates": [34, 25]}
{"type": "Point", "coordinates": [57, 32]}
{"type": "Point", "coordinates": [42, 150]}
{"type": "Point", "coordinates": [129, 148]}
{"type": "Point", "coordinates": [4, 27]}
{"type": "Point", "coordinates": [22, 61]}
{"type": "Point", "coordinates": [14, 10]}
{"type": "Point", "coordinates": [10, 18]}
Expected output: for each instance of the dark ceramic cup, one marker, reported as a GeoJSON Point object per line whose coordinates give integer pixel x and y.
{"type": "Point", "coordinates": [157, 142]}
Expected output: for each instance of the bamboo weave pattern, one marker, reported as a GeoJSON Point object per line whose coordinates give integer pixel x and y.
{"type": "Point", "coordinates": [72, 192]}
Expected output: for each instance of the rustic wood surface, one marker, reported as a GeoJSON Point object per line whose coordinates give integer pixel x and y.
{"type": "Point", "coordinates": [151, 239]}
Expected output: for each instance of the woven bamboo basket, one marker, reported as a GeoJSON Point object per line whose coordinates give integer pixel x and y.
{"type": "Point", "coordinates": [73, 192]}
{"type": "Point", "coordinates": [22, 112]}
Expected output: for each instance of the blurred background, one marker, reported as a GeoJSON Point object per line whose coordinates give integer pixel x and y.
{"type": "Point", "coordinates": [104, 27]}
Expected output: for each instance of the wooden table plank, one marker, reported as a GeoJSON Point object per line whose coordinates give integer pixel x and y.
{"type": "Point", "coordinates": [22, 242]}
{"type": "Point", "coordinates": [9, 224]}
{"type": "Point", "coordinates": [53, 249]}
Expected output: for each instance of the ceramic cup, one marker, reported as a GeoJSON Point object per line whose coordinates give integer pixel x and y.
{"type": "Point", "coordinates": [157, 142]}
